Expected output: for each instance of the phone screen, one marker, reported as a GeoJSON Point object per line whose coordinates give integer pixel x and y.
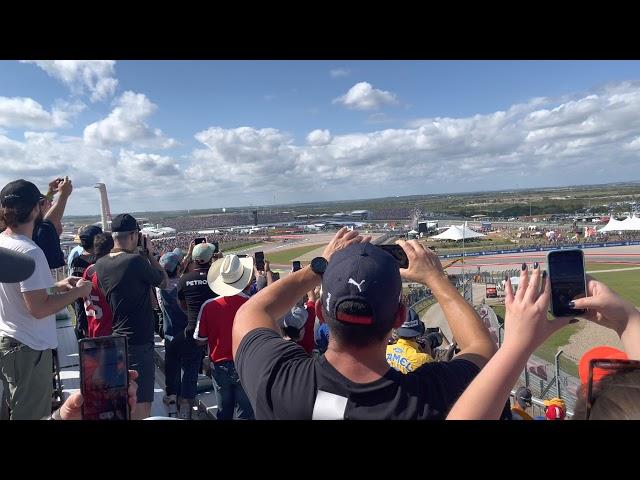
{"type": "Point", "coordinates": [104, 378]}
{"type": "Point", "coordinates": [296, 265]}
{"type": "Point", "coordinates": [398, 253]}
{"type": "Point", "coordinates": [566, 273]}
{"type": "Point", "coordinates": [198, 240]}
{"type": "Point", "coordinates": [259, 256]}
{"type": "Point", "coordinates": [216, 247]}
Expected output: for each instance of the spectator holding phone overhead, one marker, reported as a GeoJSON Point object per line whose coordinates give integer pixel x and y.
{"type": "Point", "coordinates": [526, 327]}
{"type": "Point", "coordinates": [47, 230]}
{"type": "Point", "coordinates": [27, 308]}
{"type": "Point", "coordinates": [126, 279]}
{"type": "Point", "coordinates": [361, 302]}
{"type": "Point", "coordinates": [193, 288]}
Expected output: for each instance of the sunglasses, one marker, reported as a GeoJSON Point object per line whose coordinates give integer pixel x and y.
{"type": "Point", "coordinates": [611, 365]}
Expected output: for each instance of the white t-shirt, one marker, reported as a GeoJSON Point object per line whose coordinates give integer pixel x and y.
{"type": "Point", "coordinates": [15, 320]}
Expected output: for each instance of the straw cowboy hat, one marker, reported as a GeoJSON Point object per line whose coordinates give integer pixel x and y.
{"type": "Point", "coordinates": [230, 275]}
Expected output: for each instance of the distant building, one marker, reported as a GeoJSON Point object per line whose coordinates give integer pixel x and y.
{"type": "Point", "coordinates": [360, 214]}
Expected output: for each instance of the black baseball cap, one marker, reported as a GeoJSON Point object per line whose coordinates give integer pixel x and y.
{"type": "Point", "coordinates": [362, 272]}
{"type": "Point", "coordinates": [20, 192]}
{"type": "Point", "coordinates": [412, 326]}
{"type": "Point", "coordinates": [124, 223]}
{"type": "Point", "coordinates": [16, 266]}
{"type": "Point", "coordinates": [89, 233]}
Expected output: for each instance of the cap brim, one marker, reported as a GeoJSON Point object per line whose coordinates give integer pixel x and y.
{"type": "Point", "coordinates": [16, 267]}
{"type": "Point", "coordinates": [217, 285]}
{"type": "Point", "coordinates": [409, 332]}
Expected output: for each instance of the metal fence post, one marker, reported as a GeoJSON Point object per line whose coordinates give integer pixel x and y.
{"type": "Point", "coordinates": [557, 365]}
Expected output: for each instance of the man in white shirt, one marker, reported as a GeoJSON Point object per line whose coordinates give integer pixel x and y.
{"type": "Point", "coordinates": [27, 308]}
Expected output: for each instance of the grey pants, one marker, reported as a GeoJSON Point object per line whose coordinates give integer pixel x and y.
{"type": "Point", "coordinates": [27, 379]}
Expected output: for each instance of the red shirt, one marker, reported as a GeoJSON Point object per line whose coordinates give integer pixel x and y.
{"type": "Point", "coordinates": [215, 322]}
{"type": "Point", "coordinates": [308, 342]}
{"type": "Point", "coordinates": [99, 316]}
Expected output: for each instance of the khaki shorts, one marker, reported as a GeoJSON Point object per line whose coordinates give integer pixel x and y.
{"type": "Point", "coordinates": [27, 378]}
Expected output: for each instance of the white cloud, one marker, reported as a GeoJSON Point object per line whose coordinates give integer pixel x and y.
{"type": "Point", "coordinates": [95, 77]}
{"type": "Point", "coordinates": [126, 125]}
{"type": "Point", "coordinates": [362, 96]}
{"type": "Point", "coordinates": [242, 158]}
{"type": "Point", "coordinates": [25, 112]}
{"type": "Point", "coordinates": [339, 72]}
{"type": "Point", "coordinates": [546, 141]}
{"type": "Point", "coordinates": [319, 137]}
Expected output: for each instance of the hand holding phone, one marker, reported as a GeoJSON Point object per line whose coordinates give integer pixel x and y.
{"type": "Point", "coordinates": [259, 261]}
{"type": "Point", "coordinates": [104, 378]}
{"type": "Point", "coordinates": [198, 240]}
{"type": "Point", "coordinates": [423, 265]}
{"type": "Point", "coordinates": [568, 281]}
{"type": "Point", "coordinates": [398, 253]}
{"type": "Point", "coordinates": [295, 266]}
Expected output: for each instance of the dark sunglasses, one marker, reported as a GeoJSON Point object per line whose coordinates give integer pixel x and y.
{"type": "Point", "coordinates": [612, 365]}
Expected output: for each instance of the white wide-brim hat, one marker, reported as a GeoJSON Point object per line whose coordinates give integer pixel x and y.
{"type": "Point", "coordinates": [230, 275]}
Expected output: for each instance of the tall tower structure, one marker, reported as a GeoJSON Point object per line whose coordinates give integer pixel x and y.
{"type": "Point", "coordinates": [104, 207]}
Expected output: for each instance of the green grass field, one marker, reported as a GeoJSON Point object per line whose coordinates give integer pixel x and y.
{"type": "Point", "coordinates": [626, 283]}
{"type": "Point", "coordinates": [242, 247]}
{"type": "Point", "coordinates": [594, 267]}
{"type": "Point", "coordinates": [286, 256]}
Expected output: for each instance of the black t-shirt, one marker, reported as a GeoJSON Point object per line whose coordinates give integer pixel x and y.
{"type": "Point", "coordinates": [78, 266]}
{"type": "Point", "coordinates": [126, 280]}
{"type": "Point", "coordinates": [194, 290]}
{"type": "Point", "coordinates": [284, 383]}
{"type": "Point", "coordinates": [46, 237]}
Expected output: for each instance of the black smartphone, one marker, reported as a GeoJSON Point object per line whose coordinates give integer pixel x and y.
{"type": "Point", "coordinates": [568, 280]}
{"type": "Point", "coordinates": [259, 256]}
{"type": "Point", "coordinates": [296, 265]}
{"type": "Point", "coordinates": [104, 378]}
{"type": "Point", "coordinates": [198, 240]}
{"type": "Point", "coordinates": [216, 247]}
{"type": "Point", "coordinates": [398, 253]}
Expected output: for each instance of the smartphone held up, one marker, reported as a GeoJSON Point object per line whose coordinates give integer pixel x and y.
{"type": "Point", "coordinates": [398, 253]}
{"type": "Point", "coordinates": [568, 280]}
{"type": "Point", "coordinates": [259, 260]}
{"type": "Point", "coordinates": [104, 378]}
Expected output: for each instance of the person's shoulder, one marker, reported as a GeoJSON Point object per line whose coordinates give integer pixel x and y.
{"type": "Point", "coordinates": [210, 305]}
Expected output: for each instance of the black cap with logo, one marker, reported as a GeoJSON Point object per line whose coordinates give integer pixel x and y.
{"type": "Point", "coordinates": [20, 193]}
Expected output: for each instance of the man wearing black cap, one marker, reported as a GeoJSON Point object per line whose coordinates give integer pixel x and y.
{"type": "Point", "coordinates": [27, 308]}
{"type": "Point", "coordinates": [361, 301]}
{"type": "Point", "coordinates": [126, 278]}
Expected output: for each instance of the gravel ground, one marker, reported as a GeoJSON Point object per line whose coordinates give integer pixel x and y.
{"type": "Point", "coordinates": [591, 335]}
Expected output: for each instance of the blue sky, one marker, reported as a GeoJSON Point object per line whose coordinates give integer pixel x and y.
{"type": "Point", "coordinates": [198, 134]}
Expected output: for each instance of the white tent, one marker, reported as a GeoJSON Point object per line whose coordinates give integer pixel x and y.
{"type": "Point", "coordinates": [626, 225]}
{"type": "Point", "coordinates": [458, 232]}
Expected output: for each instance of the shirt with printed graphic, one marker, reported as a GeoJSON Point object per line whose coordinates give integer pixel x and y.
{"type": "Point", "coordinates": [405, 357]}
